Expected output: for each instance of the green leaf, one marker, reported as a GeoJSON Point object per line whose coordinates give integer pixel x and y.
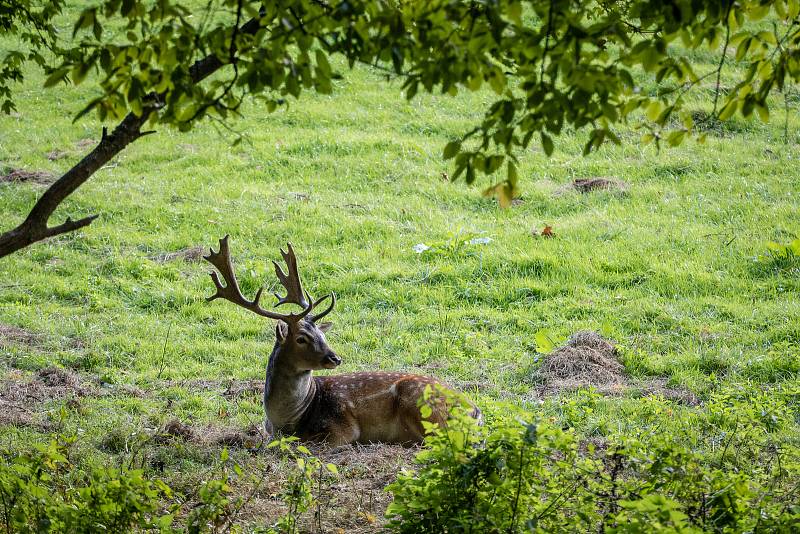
{"type": "Point", "coordinates": [515, 12]}
{"type": "Point", "coordinates": [322, 62]}
{"type": "Point", "coordinates": [763, 112]}
{"type": "Point", "coordinates": [59, 75]}
{"type": "Point", "coordinates": [87, 19]}
{"type": "Point", "coordinates": [729, 109]}
{"type": "Point", "coordinates": [654, 110]}
{"type": "Point", "coordinates": [547, 144]}
{"type": "Point", "coordinates": [512, 175]}
{"type": "Point", "coordinates": [451, 149]}
{"type": "Point", "coordinates": [544, 343]}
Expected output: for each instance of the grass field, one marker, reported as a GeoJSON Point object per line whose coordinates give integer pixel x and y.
{"type": "Point", "coordinates": [670, 269]}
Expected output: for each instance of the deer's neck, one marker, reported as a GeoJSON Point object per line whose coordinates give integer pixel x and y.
{"type": "Point", "coordinates": [287, 392]}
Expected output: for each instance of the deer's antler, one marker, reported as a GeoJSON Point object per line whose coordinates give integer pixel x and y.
{"type": "Point", "coordinates": [317, 316]}
{"type": "Point", "coordinates": [291, 282]}
{"type": "Point", "coordinates": [231, 292]}
{"type": "Point", "coordinates": [295, 294]}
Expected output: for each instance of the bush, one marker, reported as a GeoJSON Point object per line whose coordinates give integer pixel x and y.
{"type": "Point", "coordinates": [37, 496]}
{"type": "Point", "coordinates": [528, 475]}
{"type": "Point", "coordinates": [41, 492]}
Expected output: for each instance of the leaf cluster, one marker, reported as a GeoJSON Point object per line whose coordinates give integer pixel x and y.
{"type": "Point", "coordinates": [550, 64]}
{"type": "Point", "coordinates": [37, 494]}
{"type": "Point", "coordinates": [528, 474]}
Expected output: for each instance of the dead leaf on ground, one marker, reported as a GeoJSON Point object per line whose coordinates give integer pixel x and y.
{"type": "Point", "coordinates": [547, 232]}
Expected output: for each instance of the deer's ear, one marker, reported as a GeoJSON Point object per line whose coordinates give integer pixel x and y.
{"type": "Point", "coordinates": [281, 331]}
{"type": "Point", "coordinates": [324, 326]}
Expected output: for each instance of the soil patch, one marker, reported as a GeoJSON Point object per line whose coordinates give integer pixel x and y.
{"type": "Point", "coordinates": [21, 398]}
{"type": "Point", "coordinates": [589, 360]}
{"type": "Point", "coordinates": [252, 437]}
{"type": "Point", "coordinates": [354, 501]}
{"type": "Point", "coordinates": [191, 254]}
{"type": "Point", "coordinates": [18, 336]}
{"type": "Point", "coordinates": [658, 386]}
{"type": "Point", "coordinates": [244, 388]}
{"type": "Point", "coordinates": [47, 384]}
{"type": "Point", "coordinates": [21, 175]}
{"type": "Point", "coordinates": [15, 335]}
{"type": "Point", "coordinates": [595, 183]}
{"type": "Point", "coordinates": [56, 155]}
{"type": "Point", "coordinates": [85, 143]}
{"type": "Point", "coordinates": [228, 388]}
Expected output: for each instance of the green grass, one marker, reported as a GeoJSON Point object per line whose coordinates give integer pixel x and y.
{"type": "Point", "coordinates": [354, 180]}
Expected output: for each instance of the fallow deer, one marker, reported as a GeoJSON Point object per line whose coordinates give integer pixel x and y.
{"type": "Point", "coordinates": [338, 409]}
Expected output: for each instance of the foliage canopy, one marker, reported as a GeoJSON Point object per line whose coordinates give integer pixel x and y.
{"type": "Point", "coordinates": [551, 64]}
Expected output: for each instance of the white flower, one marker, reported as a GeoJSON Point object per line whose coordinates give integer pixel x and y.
{"type": "Point", "coordinates": [419, 248]}
{"type": "Point", "coordinates": [480, 240]}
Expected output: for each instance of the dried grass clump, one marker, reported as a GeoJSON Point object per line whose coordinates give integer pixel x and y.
{"type": "Point", "coordinates": [587, 359]}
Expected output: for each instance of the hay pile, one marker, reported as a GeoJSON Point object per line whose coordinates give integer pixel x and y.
{"type": "Point", "coordinates": [587, 359]}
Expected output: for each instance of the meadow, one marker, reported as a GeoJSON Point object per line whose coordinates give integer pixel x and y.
{"type": "Point", "coordinates": [674, 269]}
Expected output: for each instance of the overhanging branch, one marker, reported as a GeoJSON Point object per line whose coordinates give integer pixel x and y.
{"type": "Point", "coordinates": [34, 228]}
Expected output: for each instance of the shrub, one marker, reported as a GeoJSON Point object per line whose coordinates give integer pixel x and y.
{"type": "Point", "coordinates": [41, 492]}
{"type": "Point", "coordinates": [528, 475]}
{"type": "Point", "coordinates": [36, 495]}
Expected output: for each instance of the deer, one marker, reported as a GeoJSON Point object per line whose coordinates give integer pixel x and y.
{"type": "Point", "coordinates": [362, 407]}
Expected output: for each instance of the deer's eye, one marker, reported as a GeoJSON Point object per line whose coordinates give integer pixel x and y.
{"type": "Point", "coordinates": [302, 340]}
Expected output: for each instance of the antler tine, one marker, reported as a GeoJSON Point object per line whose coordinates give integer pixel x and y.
{"type": "Point", "coordinates": [291, 281]}
{"type": "Point", "coordinates": [314, 318]}
{"type": "Point", "coordinates": [231, 292]}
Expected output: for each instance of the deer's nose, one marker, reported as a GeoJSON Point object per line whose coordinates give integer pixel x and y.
{"type": "Point", "coordinates": [333, 358]}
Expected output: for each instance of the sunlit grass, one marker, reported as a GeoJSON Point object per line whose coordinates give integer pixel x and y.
{"type": "Point", "coordinates": [670, 270]}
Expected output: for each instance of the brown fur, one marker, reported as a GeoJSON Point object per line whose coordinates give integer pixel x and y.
{"type": "Point", "coordinates": [340, 409]}
{"type": "Point", "coordinates": [366, 408]}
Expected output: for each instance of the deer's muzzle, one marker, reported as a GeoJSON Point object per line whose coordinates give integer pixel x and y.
{"type": "Point", "coordinates": [331, 360]}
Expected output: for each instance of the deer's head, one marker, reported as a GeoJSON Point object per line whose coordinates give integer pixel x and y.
{"type": "Point", "coordinates": [306, 345]}
{"type": "Point", "coordinates": [300, 335]}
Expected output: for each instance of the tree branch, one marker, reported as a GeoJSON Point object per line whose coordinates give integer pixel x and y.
{"type": "Point", "coordinates": [34, 228]}
{"type": "Point", "coordinates": [722, 58]}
